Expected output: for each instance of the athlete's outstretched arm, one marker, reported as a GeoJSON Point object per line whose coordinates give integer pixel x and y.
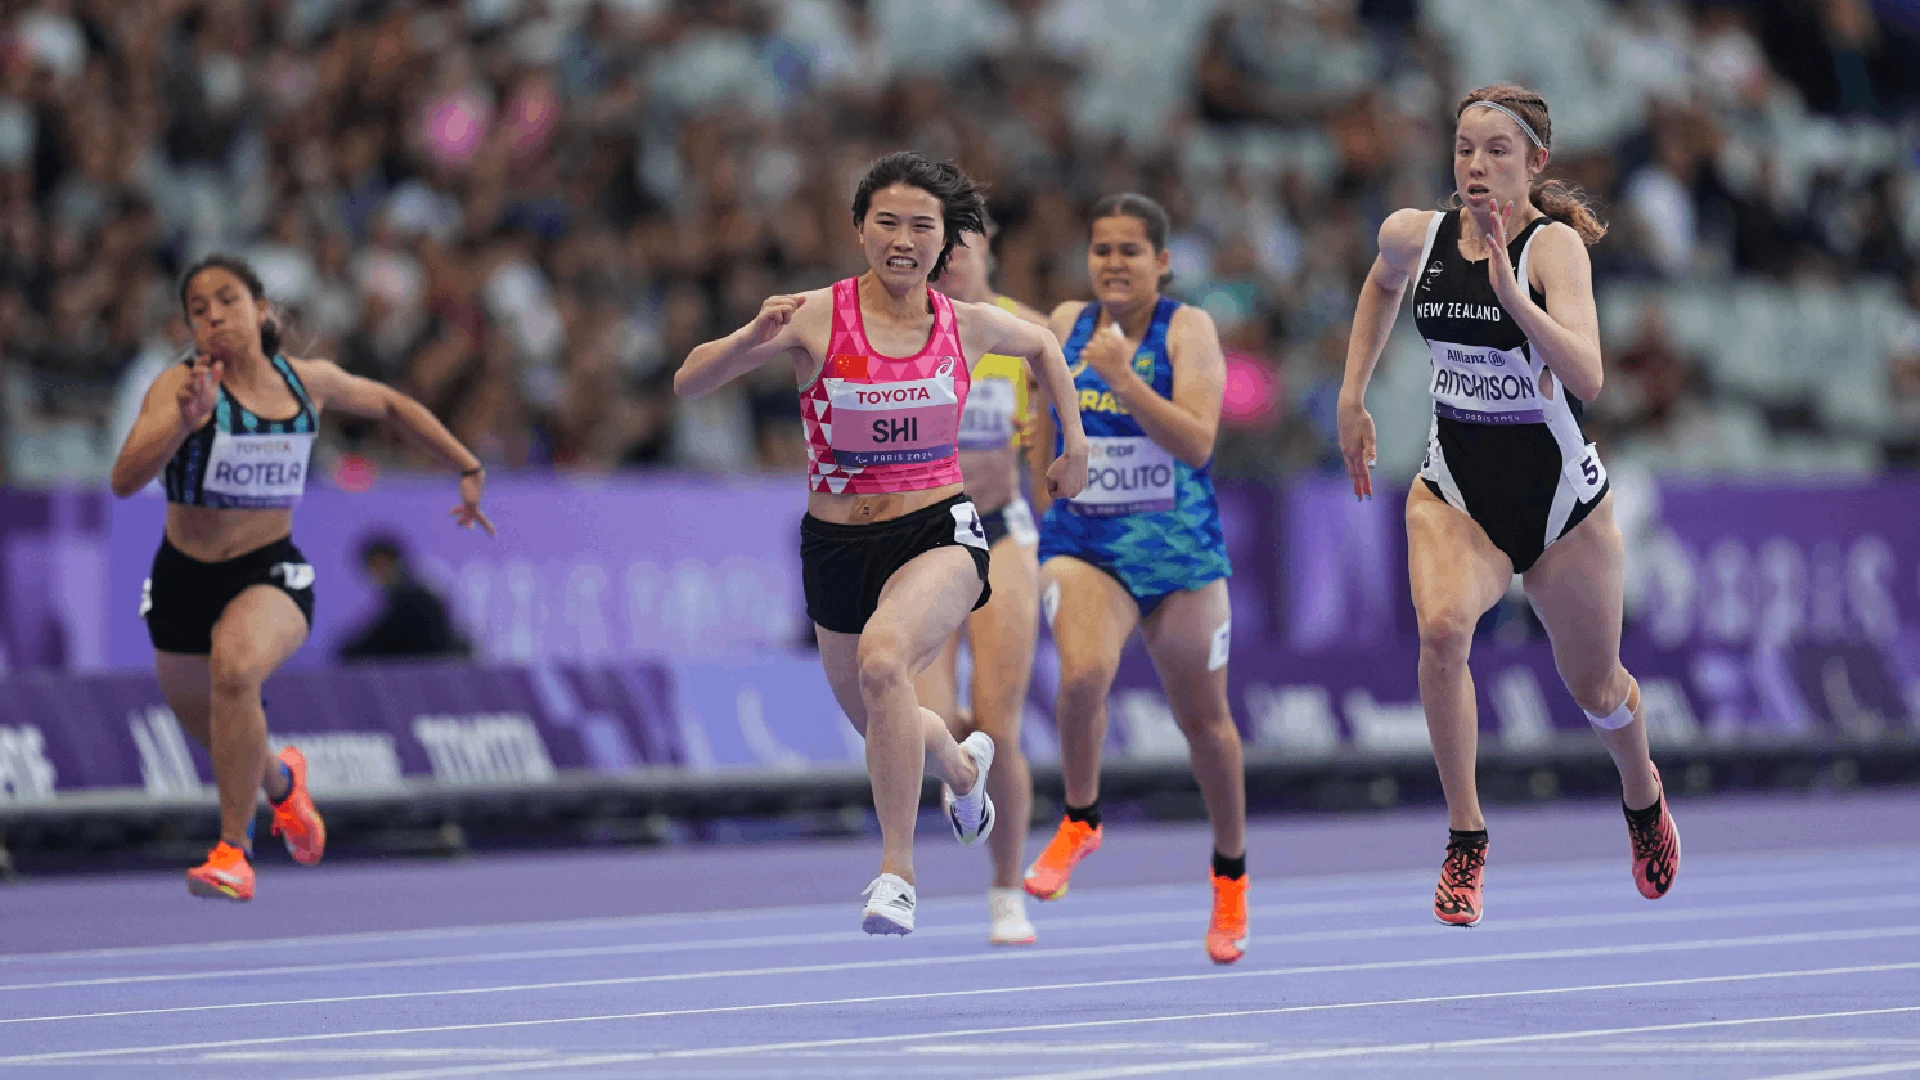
{"type": "Point", "coordinates": [177, 403]}
{"type": "Point", "coordinates": [1013, 336]}
{"type": "Point", "coordinates": [1401, 237]}
{"type": "Point", "coordinates": [1567, 333]}
{"type": "Point", "coordinates": [332, 387]}
{"type": "Point", "coordinates": [717, 363]}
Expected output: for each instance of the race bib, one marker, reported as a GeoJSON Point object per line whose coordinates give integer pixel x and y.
{"type": "Point", "coordinates": [1020, 525]}
{"type": "Point", "coordinates": [987, 422]}
{"type": "Point", "coordinates": [1586, 473]}
{"type": "Point", "coordinates": [258, 471]}
{"type": "Point", "coordinates": [893, 423]}
{"type": "Point", "coordinates": [1485, 386]}
{"type": "Point", "coordinates": [1126, 474]}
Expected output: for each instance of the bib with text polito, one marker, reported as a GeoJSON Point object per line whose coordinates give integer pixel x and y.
{"type": "Point", "coordinates": [1126, 474]}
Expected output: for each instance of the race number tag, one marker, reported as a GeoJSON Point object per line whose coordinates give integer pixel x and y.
{"type": "Point", "coordinates": [987, 421]}
{"type": "Point", "coordinates": [893, 423]}
{"type": "Point", "coordinates": [1126, 474]}
{"type": "Point", "coordinates": [257, 471]}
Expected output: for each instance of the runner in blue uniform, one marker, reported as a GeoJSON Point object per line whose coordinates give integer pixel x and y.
{"type": "Point", "coordinates": [1142, 546]}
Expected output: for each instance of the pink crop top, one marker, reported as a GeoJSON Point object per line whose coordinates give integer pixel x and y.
{"type": "Point", "coordinates": [880, 424]}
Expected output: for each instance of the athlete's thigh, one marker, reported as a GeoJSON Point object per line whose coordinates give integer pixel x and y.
{"type": "Point", "coordinates": [1002, 636]}
{"type": "Point", "coordinates": [1187, 638]}
{"type": "Point", "coordinates": [1457, 573]}
{"type": "Point", "coordinates": [924, 602]}
{"type": "Point", "coordinates": [1577, 589]}
{"type": "Point", "coordinates": [840, 659]}
{"type": "Point", "coordinates": [1091, 616]}
{"type": "Point", "coordinates": [188, 688]}
{"type": "Point", "coordinates": [256, 633]}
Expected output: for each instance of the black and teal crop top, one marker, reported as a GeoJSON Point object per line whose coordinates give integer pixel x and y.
{"type": "Point", "coordinates": [240, 461]}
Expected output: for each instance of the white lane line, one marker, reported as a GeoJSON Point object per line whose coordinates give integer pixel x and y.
{"type": "Point", "coordinates": [582, 1061]}
{"type": "Point", "coordinates": [1698, 945]}
{"type": "Point", "coordinates": [1737, 867]}
{"type": "Point", "coordinates": [1070, 922]}
{"type": "Point", "coordinates": [1889, 1068]}
{"type": "Point", "coordinates": [1377, 933]}
{"type": "Point", "coordinates": [1326, 1053]}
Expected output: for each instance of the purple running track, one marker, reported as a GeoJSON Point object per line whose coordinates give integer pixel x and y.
{"type": "Point", "coordinates": [1790, 948]}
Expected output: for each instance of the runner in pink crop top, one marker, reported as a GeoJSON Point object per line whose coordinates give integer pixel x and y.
{"type": "Point", "coordinates": [877, 423]}
{"type": "Point", "coordinates": [893, 555]}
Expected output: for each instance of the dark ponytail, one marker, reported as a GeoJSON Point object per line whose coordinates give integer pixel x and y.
{"type": "Point", "coordinates": [270, 336]}
{"type": "Point", "coordinates": [1559, 200]}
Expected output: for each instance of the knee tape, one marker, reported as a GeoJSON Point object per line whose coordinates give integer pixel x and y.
{"type": "Point", "coordinates": [1050, 601]}
{"type": "Point", "coordinates": [1621, 716]}
{"type": "Point", "coordinates": [1614, 720]}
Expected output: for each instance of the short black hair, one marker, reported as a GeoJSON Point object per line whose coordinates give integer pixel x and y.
{"type": "Point", "coordinates": [240, 268]}
{"type": "Point", "coordinates": [962, 206]}
{"type": "Point", "coordinates": [1151, 215]}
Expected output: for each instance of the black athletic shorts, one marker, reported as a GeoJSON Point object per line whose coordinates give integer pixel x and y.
{"type": "Point", "coordinates": [844, 567]}
{"type": "Point", "coordinates": [184, 597]}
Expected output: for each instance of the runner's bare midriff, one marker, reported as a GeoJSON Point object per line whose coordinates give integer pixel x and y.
{"type": "Point", "coordinates": [875, 508]}
{"type": "Point", "coordinates": [215, 535]}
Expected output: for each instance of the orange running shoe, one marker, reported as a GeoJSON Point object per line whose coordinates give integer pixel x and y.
{"type": "Point", "coordinates": [1656, 846]}
{"type": "Point", "coordinates": [1456, 901]}
{"type": "Point", "coordinates": [1075, 840]}
{"type": "Point", "coordinates": [226, 875]}
{"type": "Point", "coordinates": [1227, 932]}
{"type": "Point", "coordinates": [294, 818]}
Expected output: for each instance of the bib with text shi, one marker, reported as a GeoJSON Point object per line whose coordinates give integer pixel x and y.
{"type": "Point", "coordinates": [891, 423]}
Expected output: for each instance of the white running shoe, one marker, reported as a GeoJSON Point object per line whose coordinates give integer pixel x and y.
{"type": "Point", "coordinates": [1008, 910]}
{"type": "Point", "coordinates": [889, 907]}
{"type": "Point", "coordinates": [971, 815]}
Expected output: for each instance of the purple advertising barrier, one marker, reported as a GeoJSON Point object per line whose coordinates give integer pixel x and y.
{"type": "Point", "coordinates": [1781, 593]}
{"type": "Point", "coordinates": [1345, 565]}
{"type": "Point", "coordinates": [363, 729]}
{"type": "Point", "coordinates": [1738, 565]}
{"type": "Point", "coordinates": [1369, 700]}
{"type": "Point", "coordinates": [366, 728]}
{"type": "Point", "coordinates": [53, 560]}
{"type": "Point", "coordinates": [582, 570]}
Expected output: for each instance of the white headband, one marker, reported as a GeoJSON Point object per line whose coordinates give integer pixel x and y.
{"type": "Point", "coordinates": [1524, 126]}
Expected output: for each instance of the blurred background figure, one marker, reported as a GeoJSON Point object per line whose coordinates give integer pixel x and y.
{"type": "Point", "coordinates": [412, 621]}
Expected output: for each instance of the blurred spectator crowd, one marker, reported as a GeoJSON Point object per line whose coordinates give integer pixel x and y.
{"type": "Point", "coordinates": [526, 212]}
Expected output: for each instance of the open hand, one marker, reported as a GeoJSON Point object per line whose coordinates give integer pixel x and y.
{"type": "Point", "coordinates": [1493, 225]}
{"type": "Point", "coordinates": [468, 514]}
{"type": "Point", "coordinates": [1357, 447]}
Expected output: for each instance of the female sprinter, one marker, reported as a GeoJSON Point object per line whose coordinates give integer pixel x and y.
{"type": "Point", "coordinates": [230, 598]}
{"type": "Point", "coordinates": [893, 555]}
{"type": "Point", "coordinates": [1001, 634]}
{"type": "Point", "coordinates": [1504, 299]}
{"type": "Point", "coordinates": [1143, 546]}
